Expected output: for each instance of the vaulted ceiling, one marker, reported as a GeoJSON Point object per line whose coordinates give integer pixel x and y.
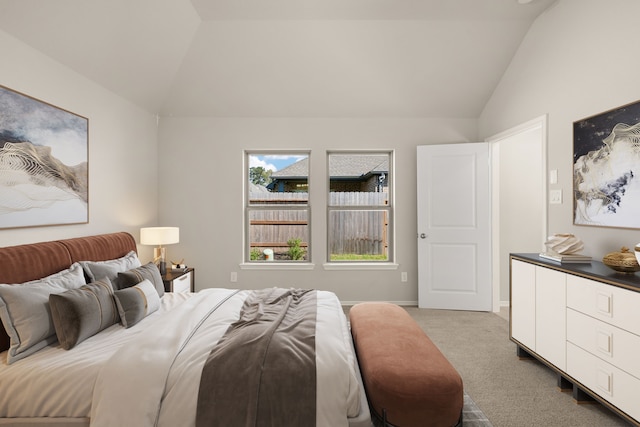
{"type": "Point", "coordinates": [283, 58]}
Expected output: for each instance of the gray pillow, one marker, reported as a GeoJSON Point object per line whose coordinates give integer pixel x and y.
{"type": "Point", "coordinates": [25, 312]}
{"type": "Point", "coordinates": [137, 302]}
{"type": "Point", "coordinates": [81, 313]}
{"type": "Point", "coordinates": [96, 270]}
{"type": "Point", "coordinates": [134, 276]}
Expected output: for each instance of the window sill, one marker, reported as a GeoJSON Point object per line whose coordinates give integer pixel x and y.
{"type": "Point", "coordinates": [277, 266]}
{"type": "Point", "coordinates": [360, 266]}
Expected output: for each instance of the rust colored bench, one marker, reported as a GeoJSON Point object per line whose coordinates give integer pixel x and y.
{"type": "Point", "coordinates": [407, 379]}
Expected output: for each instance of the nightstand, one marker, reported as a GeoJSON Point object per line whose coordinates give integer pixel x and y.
{"type": "Point", "coordinates": [179, 280]}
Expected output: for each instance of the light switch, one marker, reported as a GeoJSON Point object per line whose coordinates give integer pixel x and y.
{"type": "Point", "coordinates": [553, 176]}
{"type": "Point", "coordinates": [555, 197]}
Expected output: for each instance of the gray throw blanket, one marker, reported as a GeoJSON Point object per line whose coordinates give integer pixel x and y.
{"type": "Point", "coordinates": [262, 372]}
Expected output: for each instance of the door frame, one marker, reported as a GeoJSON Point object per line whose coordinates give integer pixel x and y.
{"type": "Point", "coordinates": [540, 122]}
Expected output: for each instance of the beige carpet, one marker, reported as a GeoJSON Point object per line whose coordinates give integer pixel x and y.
{"type": "Point", "coordinates": [509, 391]}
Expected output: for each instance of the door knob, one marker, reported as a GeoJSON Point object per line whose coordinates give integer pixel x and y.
{"type": "Point", "coordinates": [423, 236]}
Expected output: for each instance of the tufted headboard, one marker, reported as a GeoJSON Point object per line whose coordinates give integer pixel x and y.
{"type": "Point", "coordinates": [23, 263]}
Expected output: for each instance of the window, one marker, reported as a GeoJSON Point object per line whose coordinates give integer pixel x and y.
{"type": "Point", "coordinates": [360, 208]}
{"type": "Point", "coordinates": [277, 207]}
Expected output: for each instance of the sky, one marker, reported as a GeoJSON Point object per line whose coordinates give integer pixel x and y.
{"type": "Point", "coordinates": [273, 162]}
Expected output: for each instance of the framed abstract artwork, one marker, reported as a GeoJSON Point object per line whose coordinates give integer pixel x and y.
{"type": "Point", "coordinates": [44, 173]}
{"type": "Point", "coordinates": [606, 168]}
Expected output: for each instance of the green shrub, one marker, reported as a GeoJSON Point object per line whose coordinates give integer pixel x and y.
{"type": "Point", "coordinates": [255, 254]}
{"type": "Point", "coordinates": [296, 252]}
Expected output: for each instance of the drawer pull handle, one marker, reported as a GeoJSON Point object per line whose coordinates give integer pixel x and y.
{"type": "Point", "coordinates": [182, 278]}
{"type": "Point", "coordinates": [604, 342]}
{"type": "Point", "coordinates": [603, 303]}
{"type": "Point", "coordinates": [604, 381]}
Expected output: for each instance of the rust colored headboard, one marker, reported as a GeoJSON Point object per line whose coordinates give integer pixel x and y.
{"type": "Point", "coordinates": [23, 263]}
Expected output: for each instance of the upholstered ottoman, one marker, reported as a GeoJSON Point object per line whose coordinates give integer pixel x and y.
{"type": "Point", "coordinates": [407, 379]}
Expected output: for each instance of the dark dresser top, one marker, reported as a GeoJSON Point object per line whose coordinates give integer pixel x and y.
{"type": "Point", "coordinates": [595, 270]}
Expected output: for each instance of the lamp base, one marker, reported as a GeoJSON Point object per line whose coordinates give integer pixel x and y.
{"type": "Point", "coordinates": [159, 257]}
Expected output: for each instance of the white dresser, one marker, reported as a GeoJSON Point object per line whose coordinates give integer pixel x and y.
{"type": "Point", "coordinates": [583, 321]}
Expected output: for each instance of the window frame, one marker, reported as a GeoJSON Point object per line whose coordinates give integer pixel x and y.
{"type": "Point", "coordinates": [247, 263]}
{"type": "Point", "coordinates": [389, 263]}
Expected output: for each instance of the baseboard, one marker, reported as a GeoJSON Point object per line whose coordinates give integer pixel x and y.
{"type": "Point", "coordinates": [403, 303]}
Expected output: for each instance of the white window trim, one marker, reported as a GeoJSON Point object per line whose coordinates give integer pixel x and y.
{"type": "Point", "coordinates": [365, 265]}
{"type": "Point", "coordinates": [275, 265]}
{"type": "Point", "coordinates": [327, 265]}
{"type": "Point", "coordinates": [301, 265]}
{"type": "Point", "coordinates": [382, 265]}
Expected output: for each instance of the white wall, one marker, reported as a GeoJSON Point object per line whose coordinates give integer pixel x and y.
{"type": "Point", "coordinates": [577, 60]}
{"type": "Point", "coordinates": [522, 224]}
{"type": "Point", "coordinates": [122, 146]}
{"type": "Point", "coordinates": [201, 161]}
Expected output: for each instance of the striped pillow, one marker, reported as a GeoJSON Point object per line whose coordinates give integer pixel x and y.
{"type": "Point", "coordinates": [137, 302]}
{"type": "Point", "coordinates": [81, 313]}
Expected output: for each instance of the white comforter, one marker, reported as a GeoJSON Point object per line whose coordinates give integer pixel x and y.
{"type": "Point", "coordinates": [153, 378]}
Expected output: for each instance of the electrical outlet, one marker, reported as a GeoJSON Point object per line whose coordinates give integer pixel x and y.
{"type": "Point", "coordinates": [234, 276]}
{"type": "Point", "coordinates": [403, 276]}
{"type": "Point", "coordinates": [555, 197]}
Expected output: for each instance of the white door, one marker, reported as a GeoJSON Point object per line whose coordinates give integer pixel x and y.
{"type": "Point", "coordinates": [454, 227]}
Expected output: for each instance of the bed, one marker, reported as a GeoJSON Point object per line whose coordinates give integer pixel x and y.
{"type": "Point", "coordinates": [117, 350]}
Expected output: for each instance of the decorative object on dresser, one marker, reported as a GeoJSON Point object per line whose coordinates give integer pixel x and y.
{"type": "Point", "coordinates": [179, 280]}
{"type": "Point", "coordinates": [564, 243]}
{"type": "Point", "coordinates": [44, 162]}
{"type": "Point", "coordinates": [569, 258]}
{"type": "Point", "coordinates": [623, 261]}
{"type": "Point", "coordinates": [564, 247]}
{"type": "Point", "coordinates": [180, 265]}
{"type": "Point", "coordinates": [568, 317]}
{"type": "Point", "coordinates": [160, 236]}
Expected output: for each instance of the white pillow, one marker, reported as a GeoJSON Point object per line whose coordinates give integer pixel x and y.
{"type": "Point", "coordinates": [25, 312]}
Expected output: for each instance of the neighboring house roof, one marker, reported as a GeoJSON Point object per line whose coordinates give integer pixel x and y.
{"type": "Point", "coordinates": [357, 166]}
{"type": "Point", "coordinates": [256, 188]}
{"type": "Point", "coordinates": [299, 169]}
{"type": "Point", "coordinates": [340, 167]}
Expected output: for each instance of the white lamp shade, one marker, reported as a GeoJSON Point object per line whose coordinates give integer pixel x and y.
{"type": "Point", "coordinates": [159, 235]}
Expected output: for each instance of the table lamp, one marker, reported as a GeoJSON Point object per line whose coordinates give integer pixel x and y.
{"type": "Point", "coordinates": [159, 236]}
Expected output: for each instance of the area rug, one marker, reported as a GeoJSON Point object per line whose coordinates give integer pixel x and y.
{"type": "Point", "coordinates": [472, 416]}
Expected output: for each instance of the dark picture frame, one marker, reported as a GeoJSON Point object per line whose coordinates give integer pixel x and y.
{"type": "Point", "coordinates": [606, 168]}
{"type": "Point", "coordinates": [44, 163]}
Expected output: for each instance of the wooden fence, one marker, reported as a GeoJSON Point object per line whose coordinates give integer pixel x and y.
{"type": "Point", "coordinates": [350, 231]}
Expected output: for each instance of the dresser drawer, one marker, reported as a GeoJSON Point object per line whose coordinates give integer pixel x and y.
{"type": "Point", "coordinates": [523, 303]}
{"type": "Point", "coordinates": [616, 306]}
{"type": "Point", "coordinates": [609, 382]}
{"type": "Point", "coordinates": [609, 343]}
{"type": "Point", "coordinates": [182, 283]}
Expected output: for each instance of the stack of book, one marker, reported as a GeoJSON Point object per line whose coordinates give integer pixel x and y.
{"type": "Point", "coordinates": [575, 258]}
